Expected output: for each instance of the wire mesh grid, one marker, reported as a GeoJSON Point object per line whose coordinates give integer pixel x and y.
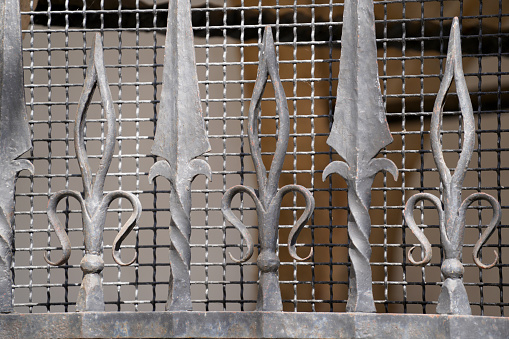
{"type": "Point", "coordinates": [412, 41]}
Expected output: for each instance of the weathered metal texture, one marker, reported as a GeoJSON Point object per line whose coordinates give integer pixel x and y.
{"type": "Point", "coordinates": [358, 133]}
{"type": "Point", "coordinates": [268, 198]}
{"type": "Point", "coordinates": [453, 298]}
{"type": "Point", "coordinates": [14, 137]}
{"type": "Point", "coordinates": [249, 325]}
{"type": "Point", "coordinates": [180, 138]}
{"type": "Point", "coordinates": [94, 203]}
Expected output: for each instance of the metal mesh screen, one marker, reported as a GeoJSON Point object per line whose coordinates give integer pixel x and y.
{"type": "Point", "coordinates": [412, 41]}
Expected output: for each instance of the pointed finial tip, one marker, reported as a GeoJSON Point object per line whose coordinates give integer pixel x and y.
{"type": "Point", "coordinates": [268, 42]}
{"type": "Point", "coordinates": [267, 36]}
{"type": "Point", "coordinates": [455, 37]}
{"type": "Point", "coordinates": [98, 42]}
{"type": "Point", "coordinates": [455, 27]}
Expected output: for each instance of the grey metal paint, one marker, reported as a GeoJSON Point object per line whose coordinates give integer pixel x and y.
{"type": "Point", "coordinates": [250, 325]}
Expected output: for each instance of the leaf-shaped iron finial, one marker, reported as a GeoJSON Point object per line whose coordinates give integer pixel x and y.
{"type": "Point", "coordinates": [94, 203]}
{"type": "Point", "coordinates": [268, 199]}
{"type": "Point", "coordinates": [453, 299]}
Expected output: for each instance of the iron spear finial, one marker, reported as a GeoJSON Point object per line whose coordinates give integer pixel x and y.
{"type": "Point", "coordinates": [180, 138]}
{"type": "Point", "coordinates": [359, 132]}
{"type": "Point", "coordinates": [182, 134]}
{"type": "Point", "coordinates": [14, 137]}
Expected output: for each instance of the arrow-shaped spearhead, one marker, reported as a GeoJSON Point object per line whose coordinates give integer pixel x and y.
{"type": "Point", "coordinates": [180, 135]}
{"type": "Point", "coordinates": [358, 133]}
{"type": "Point", "coordinates": [360, 128]}
{"type": "Point", "coordinates": [180, 138]}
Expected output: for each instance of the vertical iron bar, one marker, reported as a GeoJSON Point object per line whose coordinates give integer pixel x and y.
{"type": "Point", "coordinates": [180, 138]}
{"type": "Point", "coordinates": [359, 132]}
{"type": "Point", "coordinates": [14, 138]}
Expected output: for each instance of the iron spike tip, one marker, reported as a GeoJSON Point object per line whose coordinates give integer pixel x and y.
{"type": "Point", "coordinates": [180, 133]}
{"type": "Point", "coordinates": [455, 40]}
{"type": "Point", "coordinates": [97, 45]}
{"type": "Point", "coordinates": [360, 128]}
{"type": "Point", "coordinates": [268, 49]}
{"type": "Point", "coordinates": [14, 129]}
{"type": "Point", "coordinates": [268, 39]}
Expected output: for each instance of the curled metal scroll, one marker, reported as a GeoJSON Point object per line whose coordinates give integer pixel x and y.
{"type": "Point", "coordinates": [453, 298]}
{"type": "Point", "coordinates": [358, 134]}
{"type": "Point", "coordinates": [94, 203]}
{"type": "Point", "coordinates": [268, 198]}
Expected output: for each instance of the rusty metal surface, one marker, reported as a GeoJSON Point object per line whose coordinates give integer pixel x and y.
{"type": "Point", "coordinates": [453, 298]}
{"type": "Point", "coordinates": [180, 138]}
{"type": "Point", "coordinates": [94, 203]}
{"type": "Point", "coordinates": [358, 133]}
{"type": "Point", "coordinates": [249, 325]}
{"type": "Point", "coordinates": [14, 138]}
{"type": "Point", "coordinates": [268, 198]}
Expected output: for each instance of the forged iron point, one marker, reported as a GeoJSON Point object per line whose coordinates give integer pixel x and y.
{"type": "Point", "coordinates": [180, 138]}
{"type": "Point", "coordinates": [453, 298]}
{"type": "Point", "coordinates": [14, 137]}
{"type": "Point", "coordinates": [269, 197]}
{"type": "Point", "coordinates": [358, 134]}
{"type": "Point", "coordinates": [94, 203]}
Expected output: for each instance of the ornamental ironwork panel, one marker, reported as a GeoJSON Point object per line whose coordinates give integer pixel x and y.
{"type": "Point", "coordinates": [268, 99]}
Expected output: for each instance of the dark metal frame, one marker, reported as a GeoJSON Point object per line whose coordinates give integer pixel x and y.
{"type": "Point", "coordinates": [250, 325]}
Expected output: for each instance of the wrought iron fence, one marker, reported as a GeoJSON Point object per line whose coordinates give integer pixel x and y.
{"type": "Point", "coordinates": [177, 118]}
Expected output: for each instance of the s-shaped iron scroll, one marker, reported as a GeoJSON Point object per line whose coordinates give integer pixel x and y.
{"type": "Point", "coordinates": [268, 198]}
{"type": "Point", "coordinates": [453, 298]}
{"type": "Point", "coordinates": [94, 204]}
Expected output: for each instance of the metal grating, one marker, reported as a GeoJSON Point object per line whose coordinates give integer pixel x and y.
{"type": "Point", "coordinates": [412, 44]}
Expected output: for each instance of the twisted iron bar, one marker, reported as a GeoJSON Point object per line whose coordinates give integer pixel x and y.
{"type": "Point", "coordinates": [180, 138]}
{"type": "Point", "coordinates": [453, 298]}
{"type": "Point", "coordinates": [268, 198]}
{"type": "Point", "coordinates": [358, 134]}
{"type": "Point", "coordinates": [94, 204]}
{"type": "Point", "coordinates": [14, 138]}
